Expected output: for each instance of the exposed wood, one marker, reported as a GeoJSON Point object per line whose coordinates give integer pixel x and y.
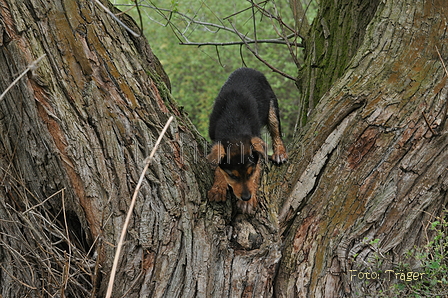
{"type": "Point", "coordinates": [371, 163]}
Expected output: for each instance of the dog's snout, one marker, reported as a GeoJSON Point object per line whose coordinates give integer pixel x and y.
{"type": "Point", "coordinates": [246, 196]}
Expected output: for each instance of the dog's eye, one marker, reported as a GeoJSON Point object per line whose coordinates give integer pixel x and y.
{"type": "Point", "coordinates": [249, 171]}
{"type": "Point", "coordinates": [233, 175]}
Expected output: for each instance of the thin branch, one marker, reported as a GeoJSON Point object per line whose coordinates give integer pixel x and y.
{"type": "Point", "coordinates": [266, 63]}
{"type": "Point", "coordinates": [283, 36]}
{"type": "Point", "coordinates": [243, 10]}
{"type": "Point", "coordinates": [429, 125]}
{"type": "Point", "coordinates": [32, 66]}
{"type": "Point", "coordinates": [275, 17]}
{"type": "Point", "coordinates": [218, 27]}
{"type": "Point", "coordinates": [441, 60]}
{"type": "Point", "coordinates": [16, 279]}
{"type": "Point", "coordinates": [300, 16]}
{"type": "Point", "coordinates": [66, 272]}
{"type": "Point", "coordinates": [115, 18]}
{"type": "Point", "coordinates": [232, 43]}
{"type": "Point", "coordinates": [219, 56]}
{"type": "Point", "coordinates": [254, 24]}
{"type": "Point", "coordinates": [43, 202]}
{"type": "Point", "coordinates": [245, 40]}
{"type": "Point", "coordinates": [131, 208]}
{"type": "Point", "coordinates": [191, 20]}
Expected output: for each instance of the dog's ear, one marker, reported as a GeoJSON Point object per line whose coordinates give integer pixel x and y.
{"type": "Point", "coordinates": [259, 146]}
{"type": "Point", "coordinates": [217, 154]}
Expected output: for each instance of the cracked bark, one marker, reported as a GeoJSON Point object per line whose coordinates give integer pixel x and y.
{"type": "Point", "coordinates": [75, 132]}
{"type": "Point", "coordinates": [368, 188]}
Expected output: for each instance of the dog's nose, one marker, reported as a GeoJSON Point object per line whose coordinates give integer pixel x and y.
{"type": "Point", "coordinates": [246, 196]}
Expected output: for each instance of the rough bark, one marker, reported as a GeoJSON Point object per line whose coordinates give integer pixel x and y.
{"type": "Point", "coordinates": [335, 36]}
{"type": "Point", "coordinates": [371, 163]}
{"type": "Point", "coordinates": [375, 159]}
{"type": "Point", "coordinates": [74, 134]}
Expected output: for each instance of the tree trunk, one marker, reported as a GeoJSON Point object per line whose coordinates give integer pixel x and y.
{"type": "Point", "coordinates": [374, 159]}
{"type": "Point", "coordinates": [74, 133]}
{"type": "Point", "coordinates": [337, 32]}
{"type": "Point", "coordinates": [370, 164]}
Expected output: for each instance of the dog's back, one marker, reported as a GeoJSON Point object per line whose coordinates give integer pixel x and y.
{"type": "Point", "coordinates": [242, 106]}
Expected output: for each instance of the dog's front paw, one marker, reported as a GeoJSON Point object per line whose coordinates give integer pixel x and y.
{"type": "Point", "coordinates": [280, 156]}
{"type": "Point", "coordinates": [247, 206]}
{"type": "Point", "coordinates": [217, 193]}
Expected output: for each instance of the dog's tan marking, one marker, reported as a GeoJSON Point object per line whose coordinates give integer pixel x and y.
{"type": "Point", "coordinates": [279, 156]}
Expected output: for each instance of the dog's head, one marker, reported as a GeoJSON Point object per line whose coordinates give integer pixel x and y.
{"type": "Point", "coordinates": [239, 163]}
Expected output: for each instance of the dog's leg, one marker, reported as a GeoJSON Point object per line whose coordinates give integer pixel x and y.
{"type": "Point", "coordinates": [279, 156]}
{"type": "Point", "coordinates": [219, 189]}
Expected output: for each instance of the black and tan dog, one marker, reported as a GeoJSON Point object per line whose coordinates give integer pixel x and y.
{"type": "Point", "coordinates": [244, 105]}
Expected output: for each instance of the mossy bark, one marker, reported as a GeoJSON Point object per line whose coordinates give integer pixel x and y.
{"type": "Point", "coordinates": [373, 160]}
{"type": "Point", "coordinates": [335, 36]}
{"type": "Point", "coordinates": [74, 135]}
{"type": "Point", "coordinates": [371, 163]}
{"type": "Point", "coordinates": [75, 131]}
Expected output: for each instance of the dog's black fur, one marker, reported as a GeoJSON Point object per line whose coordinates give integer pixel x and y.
{"type": "Point", "coordinates": [243, 106]}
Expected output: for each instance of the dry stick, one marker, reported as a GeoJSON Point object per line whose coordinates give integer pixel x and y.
{"type": "Point", "coordinates": [262, 60]}
{"type": "Point", "coordinates": [116, 19]}
{"type": "Point", "coordinates": [441, 60]}
{"type": "Point", "coordinates": [190, 20]}
{"type": "Point", "coordinates": [131, 208]}
{"type": "Point", "coordinates": [43, 202]}
{"type": "Point", "coordinates": [446, 72]}
{"type": "Point", "coordinates": [32, 66]}
{"type": "Point", "coordinates": [66, 269]}
{"type": "Point", "coordinates": [16, 279]}
{"type": "Point", "coordinates": [233, 43]}
{"type": "Point", "coordinates": [427, 123]}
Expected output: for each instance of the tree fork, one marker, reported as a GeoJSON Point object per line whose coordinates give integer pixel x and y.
{"type": "Point", "coordinates": [86, 118]}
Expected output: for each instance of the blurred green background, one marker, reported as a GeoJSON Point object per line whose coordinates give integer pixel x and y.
{"type": "Point", "coordinates": [198, 72]}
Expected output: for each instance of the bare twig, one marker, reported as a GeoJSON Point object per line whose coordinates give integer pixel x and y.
{"type": "Point", "coordinates": [16, 279]}
{"type": "Point", "coordinates": [292, 47]}
{"type": "Point", "coordinates": [218, 27]}
{"type": "Point", "coordinates": [446, 72]}
{"type": "Point", "coordinates": [115, 18]}
{"type": "Point", "coordinates": [267, 63]}
{"type": "Point", "coordinates": [32, 66]}
{"type": "Point", "coordinates": [286, 36]}
{"type": "Point", "coordinates": [429, 126]}
{"type": "Point", "coordinates": [131, 208]}
{"type": "Point", "coordinates": [254, 24]}
{"type": "Point", "coordinates": [272, 16]}
{"type": "Point", "coordinates": [219, 56]}
{"type": "Point", "coordinates": [243, 10]}
{"type": "Point", "coordinates": [66, 267]}
{"type": "Point", "coordinates": [300, 16]}
{"type": "Point", "coordinates": [441, 60]}
{"type": "Point", "coordinates": [247, 41]}
{"type": "Point", "coordinates": [43, 202]}
{"type": "Point", "coordinates": [33, 241]}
